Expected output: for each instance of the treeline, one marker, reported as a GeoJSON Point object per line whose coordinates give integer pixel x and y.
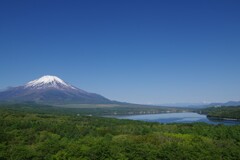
{"type": "Point", "coordinates": [231, 112]}
{"type": "Point", "coordinates": [91, 109]}
{"type": "Point", "coordinates": [26, 135]}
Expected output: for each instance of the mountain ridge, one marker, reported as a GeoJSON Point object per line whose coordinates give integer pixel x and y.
{"type": "Point", "coordinates": [51, 90]}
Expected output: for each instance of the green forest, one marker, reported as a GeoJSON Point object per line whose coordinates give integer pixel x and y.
{"type": "Point", "coordinates": [231, 112]}
{"type": "Point", "coordinates": [91, 109]}
{"type": "Point", "coordinates": [35, 134]}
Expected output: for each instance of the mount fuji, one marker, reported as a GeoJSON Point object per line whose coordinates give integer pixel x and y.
{"type": "Point", "coordinates": [51, 90]}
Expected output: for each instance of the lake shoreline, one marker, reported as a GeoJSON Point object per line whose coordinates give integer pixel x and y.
{"type": "Point", "coordinates": [180, 117]}
{"type": "Point", "coordinates": [220, 118]}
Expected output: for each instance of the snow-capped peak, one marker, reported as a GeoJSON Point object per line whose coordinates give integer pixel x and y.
{"type": "Point", "coordinates": [48, 81]}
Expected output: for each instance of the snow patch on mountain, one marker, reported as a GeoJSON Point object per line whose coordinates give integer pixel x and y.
{"type": "Point", "coordinates": [48, 81]}
{"type": "Point", "coordinates": [51, 90]}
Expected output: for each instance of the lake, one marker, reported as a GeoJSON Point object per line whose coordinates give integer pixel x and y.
{"type": "Point", "coordinates": [184, 117]}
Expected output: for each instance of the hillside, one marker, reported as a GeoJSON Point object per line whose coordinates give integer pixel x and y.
{"type": "Point", "coordinates": [231, 112]}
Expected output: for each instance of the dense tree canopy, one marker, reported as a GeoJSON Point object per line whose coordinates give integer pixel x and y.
{"type": "Point", "coordinates": [30, 135]}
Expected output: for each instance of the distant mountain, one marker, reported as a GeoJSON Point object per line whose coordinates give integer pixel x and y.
{"type": "Point", "coordinates": [227, 104]}
{"type": "Point", "coordinates": [202, 105]}
{"type": "Point", "coordinates": [51, 90]}
{"type": "Point", "coordinates": [230, 103]}
{"type": "Point", "coordinates": [184, 105]}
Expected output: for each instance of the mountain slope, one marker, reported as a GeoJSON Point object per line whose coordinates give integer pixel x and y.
{"type": "Point", "coordinates": [51, 90]}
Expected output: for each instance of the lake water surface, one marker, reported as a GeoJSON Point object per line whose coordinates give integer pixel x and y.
{"type": "Point", "coordinates": [185, 117]}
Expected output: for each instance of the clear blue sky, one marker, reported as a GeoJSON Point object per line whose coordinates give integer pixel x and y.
{"type": "Point", "coordinates": [138, 51]}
